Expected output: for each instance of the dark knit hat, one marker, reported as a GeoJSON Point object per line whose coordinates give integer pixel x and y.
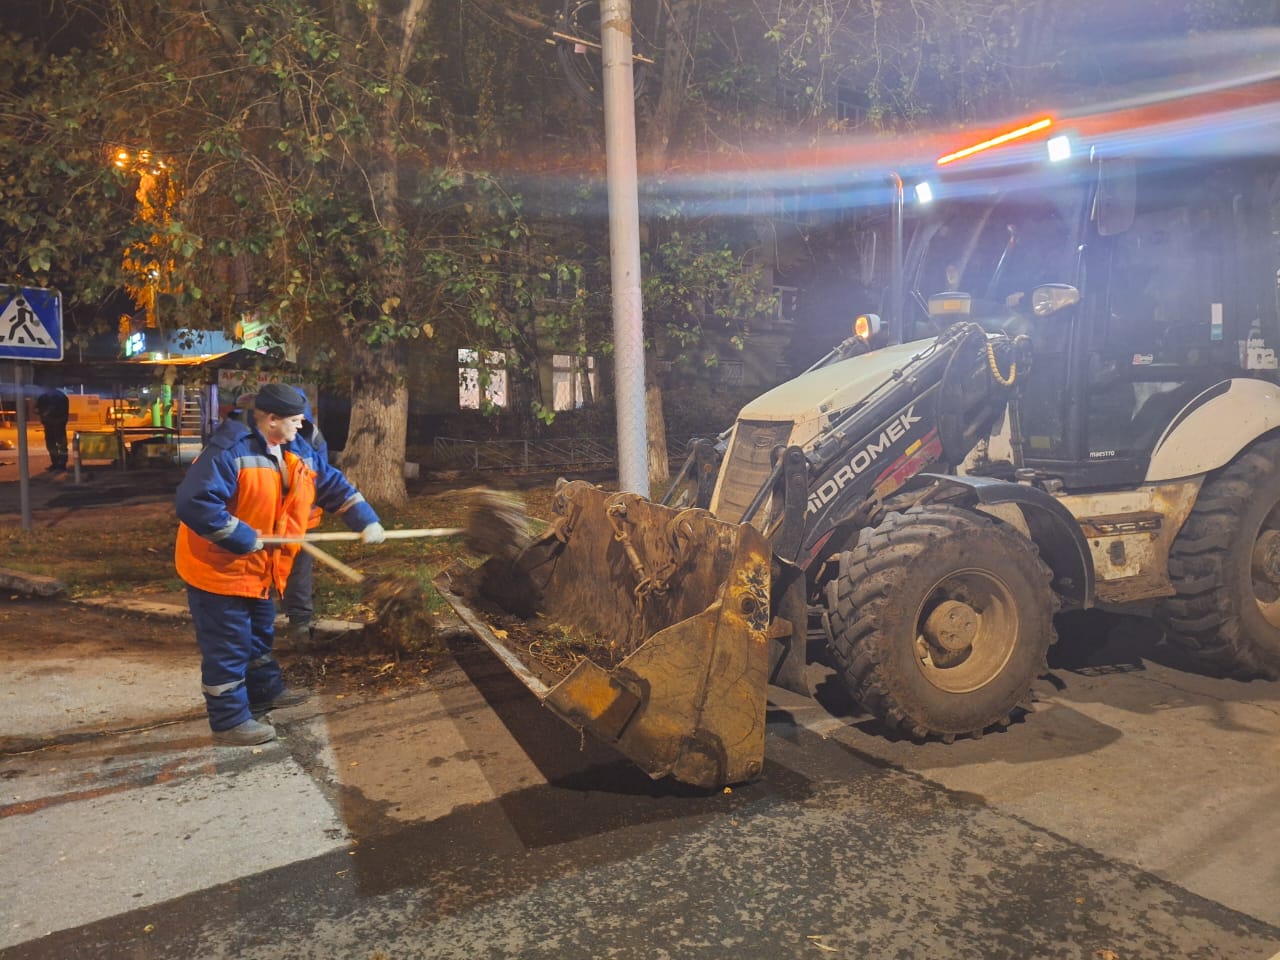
{"type": "Point", "coordinates": [283, 401]}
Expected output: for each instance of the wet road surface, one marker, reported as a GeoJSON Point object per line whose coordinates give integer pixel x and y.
{"type": "Point", "coordinates": [465, 821]}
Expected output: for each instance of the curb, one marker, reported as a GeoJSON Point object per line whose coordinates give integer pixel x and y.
{"type": "Point", "coordinates": [30, 584]}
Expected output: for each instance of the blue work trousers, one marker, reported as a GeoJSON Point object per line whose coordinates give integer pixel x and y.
{"type": "Point", "coordinates": [237, 668]}
{"type": "Point", "coordinates": [297, 591]}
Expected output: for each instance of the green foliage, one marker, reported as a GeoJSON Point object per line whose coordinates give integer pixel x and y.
{"type": "Point", "coordinates": [65, 212]}
{"type": "Point", "coordinates": [882, 65]}
{"type": "Point", "coordinates": [365, 176]}
{"type": "Point", "coordinates": [315, 186]}
{"type": "Point", "coordinates": [697, 286]}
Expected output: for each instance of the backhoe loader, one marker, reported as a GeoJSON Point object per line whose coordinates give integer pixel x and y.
{"type": "Point", "coordinates": [1076, 405]}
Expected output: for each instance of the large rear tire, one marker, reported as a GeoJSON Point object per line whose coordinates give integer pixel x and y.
{"type": "Point", "coordinates": [1225, 565]}
{"type": "Point", "coordinates": [941, 620]}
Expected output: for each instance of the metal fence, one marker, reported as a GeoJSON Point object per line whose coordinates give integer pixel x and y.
{"type": "Point", "coordinates": [532, 456]}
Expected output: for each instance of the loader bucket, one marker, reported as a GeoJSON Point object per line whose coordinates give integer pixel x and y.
{"type": "Point", "coordinates": [670, 608]}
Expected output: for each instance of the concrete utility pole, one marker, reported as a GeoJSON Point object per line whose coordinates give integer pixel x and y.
{"type": "Point", "coordinates": [624, 245]}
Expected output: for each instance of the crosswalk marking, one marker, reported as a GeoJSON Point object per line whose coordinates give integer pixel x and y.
{"type": "Point", "coordinates": [20, 327]}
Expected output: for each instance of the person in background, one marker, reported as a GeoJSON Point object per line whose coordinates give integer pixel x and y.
{"type": "Point", "coordinates": [256, 477]}
{"type": "Point", "coordinates": [52, 408]}
{"type": "Point", "coordinates": [299, 606]}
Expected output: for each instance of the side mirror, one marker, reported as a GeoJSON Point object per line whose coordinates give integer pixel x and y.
{"type": "Point", "coordinates": [1052, 297]}
{"type": "Point", "coordinates": [1117, 196]}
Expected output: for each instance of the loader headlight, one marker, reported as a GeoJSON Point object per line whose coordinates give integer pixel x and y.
{"type": "Point", "coordinates": [866, 326]}
{"type": "Point", "coordinates": [1059, 148]}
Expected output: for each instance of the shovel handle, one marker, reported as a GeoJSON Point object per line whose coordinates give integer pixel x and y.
{"type": "Point", "coordinates": [349, 535]}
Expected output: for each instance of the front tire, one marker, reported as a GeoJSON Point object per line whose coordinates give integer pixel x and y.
{"type": "Point", "coordinates": [941, 620]}
{"type": "Point", "coordinates": [1225, 565]}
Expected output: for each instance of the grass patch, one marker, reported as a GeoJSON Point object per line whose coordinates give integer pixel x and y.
{"type": "Point", "coordinates": [128, 550]}
{"type": "Point", "coordinates": [119, 552]}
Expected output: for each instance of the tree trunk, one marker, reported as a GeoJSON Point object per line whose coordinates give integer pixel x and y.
{"type": "Point", "coordinates": [373, 458]}
{"type": "Point", "coordinates": [657, 135]}
{"type": "Point", "coordinates": [659, 472]}
{"type": "Point", "coordinates": [375, 453]}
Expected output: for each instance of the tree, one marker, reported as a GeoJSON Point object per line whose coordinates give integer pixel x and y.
{"type": "Point", "coordinates": [366, 177]}
{"type": "Point", "coordinates": [67, 212]}
{"type": "Point", "coordinates": [319, 175]}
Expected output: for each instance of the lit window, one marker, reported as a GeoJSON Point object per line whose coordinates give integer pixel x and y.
{"type": "Point", "coordinates": [784, 304]}
{"type": "Point", "coordinates": [569, 377]}
{"type": "Point", "coordinates": [491, 377]}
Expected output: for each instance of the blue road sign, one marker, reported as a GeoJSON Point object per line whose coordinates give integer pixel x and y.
{"type": "Point", "coordinates": [30, 323]}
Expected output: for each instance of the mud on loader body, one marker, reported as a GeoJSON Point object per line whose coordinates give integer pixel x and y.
{"type": "Point", "coordinates": [1085, 412]}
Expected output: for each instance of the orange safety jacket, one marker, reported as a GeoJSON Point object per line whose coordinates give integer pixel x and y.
{"type": "Point", "coordinates": [261, 502]}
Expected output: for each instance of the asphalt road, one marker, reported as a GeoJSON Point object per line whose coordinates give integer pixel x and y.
{"type": "Point", "coordinates": [1134, 815]}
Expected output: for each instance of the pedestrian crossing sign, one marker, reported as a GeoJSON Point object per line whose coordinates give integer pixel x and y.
{"type": "Point", "coordinates": [30, 323]}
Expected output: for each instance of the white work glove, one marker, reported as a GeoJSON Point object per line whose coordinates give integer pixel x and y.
{"type": "Point", "coordinates": [373, 533]}
{"type": "Point", "coordinates": [258, 545]}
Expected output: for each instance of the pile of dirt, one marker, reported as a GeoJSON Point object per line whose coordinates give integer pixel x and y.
{"type": "Point", "coordinates": [553, 648]}
{"type": "Point", "coordinates": [402, 623]}
{"type": "Point", "coordinates": [548, 648]}
{"type": "Point", "coordinates": [370, 671]}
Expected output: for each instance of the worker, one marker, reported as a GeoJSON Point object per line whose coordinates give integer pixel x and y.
{"type": "Point", "coordinates": [255, 478]}
{"type": "Point", "coordinates": [297, 600]}
{"type": "Point", "coordinates": [52, 407]}
{"type": "Point", "coordinates": [298, 604]}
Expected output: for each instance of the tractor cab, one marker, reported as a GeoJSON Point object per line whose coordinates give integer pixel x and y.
{"type": "Point", "coordinates": [1144, 282]}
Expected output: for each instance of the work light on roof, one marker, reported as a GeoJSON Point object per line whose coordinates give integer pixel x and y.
{"type": "Point", "coordinates": [1042, 124]}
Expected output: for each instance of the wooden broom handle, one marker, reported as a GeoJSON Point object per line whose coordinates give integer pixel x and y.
{"type": "Point", "coordinates": [349, 535]}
